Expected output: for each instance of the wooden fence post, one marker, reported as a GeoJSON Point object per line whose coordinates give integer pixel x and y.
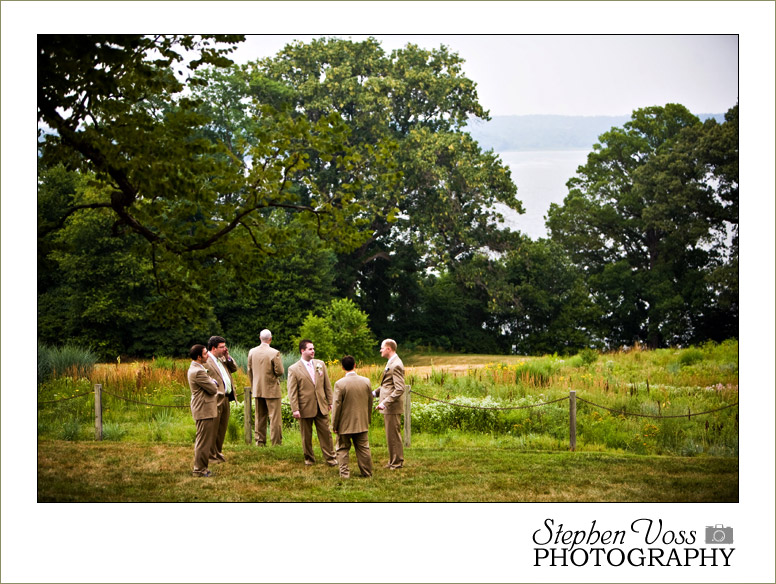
{"type": "Point", "coordinates": [407, 415]}
{"type": "Point", "coordinates": [247, 415]}
{"type": "Point", "coordinates": [573, 420]}
{"type": "Point", "coordinates": [98, 412]}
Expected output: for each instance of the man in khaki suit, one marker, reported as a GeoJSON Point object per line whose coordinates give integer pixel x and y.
{"type": "Point", "coordinates": [265, 368]}
{"type": "Point", "coordinates": [220, 367]}
{"type": "Point", "coordinates": [391, 403]}
{"type": "Point", "coordinates": [351, 414]}
{"type": "Point", "coordinates": [204, 409]}
{"type": "Point", "coordinates": [309, 393]}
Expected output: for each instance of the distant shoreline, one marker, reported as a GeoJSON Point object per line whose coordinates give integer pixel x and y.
{"type": "Point", "coordinates": [545, 132]}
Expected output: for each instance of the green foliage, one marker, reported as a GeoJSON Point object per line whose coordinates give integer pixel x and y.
{"type": "Point", "coordinates": [649, 219]}
{"type": "Point", "coordinates": [67, 359]}
{"type": "Point", "coordinates": [343, 329]}
{"type": "Point", "coordinates": [407, 112]}
{"type": "Point", "coordinates": [690, 356]}
{"type": "Point", "coordinates": [588, 356]}
{"type": "Point", "coordinates": [240, 355]}
{"type": "Point", "coordinates": [153, 208]}
{"type": "Point", "coordinates": [70, 430]}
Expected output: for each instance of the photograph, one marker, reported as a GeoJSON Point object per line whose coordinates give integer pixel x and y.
{"type": "Point", "coordinates": [477, 281]}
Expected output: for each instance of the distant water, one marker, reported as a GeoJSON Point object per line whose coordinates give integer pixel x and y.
{"type": "Point", "coordinates": [541, 178]}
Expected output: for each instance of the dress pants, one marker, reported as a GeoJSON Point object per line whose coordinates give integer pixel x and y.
{"type": "Point", "coordinates": [394, 440]}
{"type": "Point", "coordinates": [363, 454]}
{"type": "Point", "coordinates": [321, 422]}
{"type": "Point", "coordinates": [223, 422]}
{"type": "Point", "coordinates": [268, 407]}
{"type": "Point", "coordinates": [207, 430]}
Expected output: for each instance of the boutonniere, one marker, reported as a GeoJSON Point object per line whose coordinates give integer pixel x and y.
{"type": "Point", "coordinates": [319, 368]}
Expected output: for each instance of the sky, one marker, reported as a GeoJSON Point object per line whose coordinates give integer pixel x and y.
{"type": "Point", "coordinates": [515, 75]}
{"type": "Point", "coordinates": [573, 74]}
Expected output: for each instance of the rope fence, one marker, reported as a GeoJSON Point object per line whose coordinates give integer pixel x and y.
{"type": "Point", "coordinates": [246, 398]}
{"type": "Point", "coordinates": [489, 408]}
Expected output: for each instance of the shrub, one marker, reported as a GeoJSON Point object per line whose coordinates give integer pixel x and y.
{"type": "Point", "coordinates": [588, 356]}
{"type": "Point", "coordinates": [342, 330]}
{"type": "Point", "coordinates": [690, 356]}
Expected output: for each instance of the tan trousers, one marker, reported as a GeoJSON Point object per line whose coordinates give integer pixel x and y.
{"type": "Point", "coordinates": [394, 440]}
{"type": "Point", "coordinates": [363, 454]}
{"type": "Point", "coordinates": [223, 422]}
{"type": "Point", "coordinates": [207, 430]}
{"type": "Point", "coordinates": [268, 407]}
{"type": "Point", "coordinates": [321, 422]}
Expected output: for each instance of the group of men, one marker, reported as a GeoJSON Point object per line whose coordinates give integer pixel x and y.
{"type": "Point", "coordinates": [310, 396]}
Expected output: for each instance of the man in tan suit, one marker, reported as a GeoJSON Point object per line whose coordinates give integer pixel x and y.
{"type": "Point", "coordinates": [265, 368]}
{"type": "Point", "coordinates": [204, 409]}
{"type": "Point", "coordinates": [220, 367]}
{"type": "Point", "coordinates": [351, 414]}
{"type": "Point", "coordinates": [309, 393]}
{"type": "Point", "coordinates": [391, 403]}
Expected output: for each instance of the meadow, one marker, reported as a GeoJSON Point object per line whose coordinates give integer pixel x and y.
{"type": "Point", "coordinates": [635, 408]}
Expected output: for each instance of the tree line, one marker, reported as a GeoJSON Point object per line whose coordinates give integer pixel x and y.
{"type": "Point", "coordinates": [181, 196]}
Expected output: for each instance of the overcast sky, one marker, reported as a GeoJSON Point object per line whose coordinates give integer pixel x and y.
{"type": "Point", "coordinates": [574, 74]}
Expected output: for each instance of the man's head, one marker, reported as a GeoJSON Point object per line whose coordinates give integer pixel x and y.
{"type": "Point", "coordinates": [265, 336]}
{"type": "Point", "coordinates": [306, 349]}
{"type": "Point", "coordinates": [388, 348]}
{"type": "Point", "coordinates": [198, 353]}
{"type": "Point", "coordinates": [217, 346]}
{"type": "Point", "coordinates": [348, 363]}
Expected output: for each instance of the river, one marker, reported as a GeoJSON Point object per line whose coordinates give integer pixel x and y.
{"type": "Point", "coordinates": [541, 178]}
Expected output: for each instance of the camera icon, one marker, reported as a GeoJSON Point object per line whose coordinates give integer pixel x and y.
{"type": "Point", "coordinates": [719, 534]}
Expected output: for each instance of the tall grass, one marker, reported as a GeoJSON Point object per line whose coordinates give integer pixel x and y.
{"type": "Point", "coordinates": [70, 360]}
{"type": "Point", "coordinates": [661, 383]}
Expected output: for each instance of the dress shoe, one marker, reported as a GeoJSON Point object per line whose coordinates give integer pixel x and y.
{"type": "Point", "coordinates": [202, 473]}
{"type": "Point", "coordinates": [308, 463]}
{"type": "Point", "coordinates": [332, 463]}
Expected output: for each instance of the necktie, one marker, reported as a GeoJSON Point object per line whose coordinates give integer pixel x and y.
{"type": "Point", "coordinates": [310, 370]}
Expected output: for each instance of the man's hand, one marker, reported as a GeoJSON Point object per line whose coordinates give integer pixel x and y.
{"type": "Point", "coordinates": [296, 414]}
{"type": "Point", "coordinates": [380, 407]}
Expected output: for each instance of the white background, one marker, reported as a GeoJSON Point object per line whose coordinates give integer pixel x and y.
{"type": "Point", "coordinates": [438, 542]}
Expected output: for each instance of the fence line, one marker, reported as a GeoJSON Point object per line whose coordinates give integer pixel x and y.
{"type": "Point", "coordinates": [490, 408]}
{"type": "Point", "coordinates": [54, 401]}
{"type": "Point", "coordinates": [572, 397]}
{"type": "Point", "coordinates": [687, 415]}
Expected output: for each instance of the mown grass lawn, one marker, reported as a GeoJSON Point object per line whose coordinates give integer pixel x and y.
{"type": "Point", "coordinates": [476, 470]}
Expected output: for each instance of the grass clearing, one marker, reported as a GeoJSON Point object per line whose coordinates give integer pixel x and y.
{"type": "Point", "coordinates": [464, 470]}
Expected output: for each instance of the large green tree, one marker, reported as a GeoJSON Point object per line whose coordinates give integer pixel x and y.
{"type": "Point", "coordinates": [652, 220]}
{"type": "Point", "coordinates": [412, 103]}
{"type": "Point", "coordinates": [117, 110]}
{"type": "Point", "coordinates": [161, 182]}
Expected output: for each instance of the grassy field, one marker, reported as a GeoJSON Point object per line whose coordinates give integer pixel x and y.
{"type": "Point", "coordinates": [450, 468]}
{"type": "Point", "coordinates": [480, 424]}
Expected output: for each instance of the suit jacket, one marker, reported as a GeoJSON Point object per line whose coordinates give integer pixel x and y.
{"type": "Point", "coordinates": [215, 372]}
{"type": "Point", "coordinates": [352, 409]}
{"type": "Point", "coordinates": [203, 392]}
{"type": "Point", "coordinates": [392, 387]}
{"type": "Point", "coordinates": [303, 395]}
{"type": "Point", "coordinates": [265, 368]}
